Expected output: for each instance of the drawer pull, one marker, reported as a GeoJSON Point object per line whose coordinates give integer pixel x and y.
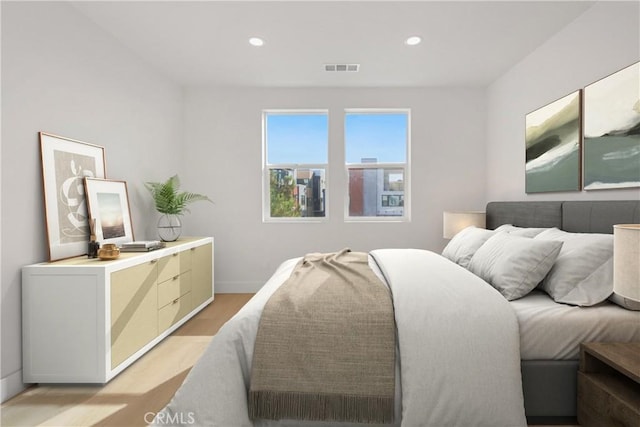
{"type": "Point", "coordinates": [153, 261]}
{"type": "Point", "coordinates": [176, 254]}
{"type": "Point", "coordinates": [193, 249]}
{"type": "Point", "coordinates": [175, 277]}
{"type": "Point", "coordinates": [175, 300]}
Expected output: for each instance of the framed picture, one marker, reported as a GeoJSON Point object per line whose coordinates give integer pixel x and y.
{"type": "Point", "coordinates": [552, 146]}
{"type": "Point", "coordinates": [65, 164]}
{"type": "Point", "coordinates": [612, 131]}
{"type": "Point", "coordinates": [108, 203]}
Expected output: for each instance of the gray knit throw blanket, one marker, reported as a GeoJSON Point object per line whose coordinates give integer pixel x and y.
{"type": "Point", "coordinates": [325, 347]}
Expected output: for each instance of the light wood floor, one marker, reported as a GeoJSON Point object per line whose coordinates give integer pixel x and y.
{"type": "Point", "coordinates": [144, 387]}
{"type": "Point", "coordinates": [131, 398]}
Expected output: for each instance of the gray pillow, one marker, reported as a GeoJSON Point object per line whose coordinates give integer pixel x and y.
{"type": "Point", "coordinates": [583, 273]}
{"type": "Point", "coordinates": [464, 244]}
{"type": "Point", "coordinates": [521, 231]}
{"type": "Point", "coordinates": [514, 265]}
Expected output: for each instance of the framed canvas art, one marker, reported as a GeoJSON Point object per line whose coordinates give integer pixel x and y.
{"type": "Point", "coordinates": [612, 131]}
{"type": "Point", "coordinates": [65, 164]}
{"type": "Point", "coordinates": [108, 203]}
{"type": "Point", "coordinates": [552, 138]}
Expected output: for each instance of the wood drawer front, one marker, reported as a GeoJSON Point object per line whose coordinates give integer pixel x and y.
{"type": "Point", "coordinates": [185, 260]}
{"type": "Point", "coordinates": [134, 307]}
{"type": "Point", "coordinates": [168, 267]}
{"type": "Point", "coordinates": [605, 400]}
{"type": "Point", "coordinates": [174, 311]}
{"type": "Point", "coordinates": [202, 274]}
{"type": "Point", "coordinates": [174, 288]}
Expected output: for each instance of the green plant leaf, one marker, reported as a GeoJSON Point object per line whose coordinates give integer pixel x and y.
{"type": "Point", "coordinates": [169, 200]}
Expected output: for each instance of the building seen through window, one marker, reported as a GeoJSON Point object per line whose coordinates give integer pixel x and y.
{"type": "Point", "coordinates": [376, 191]}
{"type": "Point", "coordinates": [297, 192]}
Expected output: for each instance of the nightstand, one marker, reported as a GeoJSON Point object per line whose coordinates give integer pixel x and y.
{"type": "Point", "coordinates": [609, 384]}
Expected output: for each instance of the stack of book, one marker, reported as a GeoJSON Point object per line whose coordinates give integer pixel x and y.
{"type": "Point", "coordinates": [142, 246]}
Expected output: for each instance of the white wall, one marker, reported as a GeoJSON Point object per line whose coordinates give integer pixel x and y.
{"type": "Point", "coordinates": [64, 75]}
{"type": "Point", "coordinates": [223, 159]}
{"type": "Point", "coordinates": [601, 41]}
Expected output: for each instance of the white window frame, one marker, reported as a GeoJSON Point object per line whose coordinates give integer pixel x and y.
{"type": "Point", "coordinates": [406, 167]}
{"type": "Point", "coordinates": [266, 196]}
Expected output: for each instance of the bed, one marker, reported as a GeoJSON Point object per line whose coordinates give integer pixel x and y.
{"type": "Point", "coordinates": [549, 383]}
{"type": "Point", "coordinates": [535, 376]}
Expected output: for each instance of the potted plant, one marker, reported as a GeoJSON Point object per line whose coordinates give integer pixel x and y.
{"type": "Point", "coordinates": [171, 203]}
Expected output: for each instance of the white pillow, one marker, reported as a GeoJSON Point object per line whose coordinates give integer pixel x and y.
{"type": "Point", "coordinates": [521, 231]}
{"type": "Point", "coordinates": [583, 273]}
{"type": "Point", "coordinates": [514, 265]}
{"type": "Point", "coordinates": [464, 244]}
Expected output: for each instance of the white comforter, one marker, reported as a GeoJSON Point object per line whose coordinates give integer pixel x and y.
{"type": "Point", "coordinates": [458, 348]}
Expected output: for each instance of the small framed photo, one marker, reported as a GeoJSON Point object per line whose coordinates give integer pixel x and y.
{"type": "Point", "coordinates": [108, 203]}
{"type": "Point", "coordinates": [65, 164]}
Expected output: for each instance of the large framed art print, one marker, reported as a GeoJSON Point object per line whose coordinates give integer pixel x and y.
{"type": "Point", "coordinates": [612, 131]}
{"type": "Point", "coordinates": [553, 136]}
{"type": "Point", "coordinates": [65, 164]}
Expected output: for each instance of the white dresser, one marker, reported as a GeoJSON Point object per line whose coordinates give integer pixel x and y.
{"type": "Point", "coordinates": [85, 320]}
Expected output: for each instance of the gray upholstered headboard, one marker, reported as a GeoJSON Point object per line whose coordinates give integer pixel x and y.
{"type": "Point", "coordinates": [573, 216]}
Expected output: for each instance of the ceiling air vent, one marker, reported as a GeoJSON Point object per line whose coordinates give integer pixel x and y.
{"type": "Point", "coordinates": [342, 67]}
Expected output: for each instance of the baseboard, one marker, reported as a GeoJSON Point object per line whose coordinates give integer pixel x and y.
{"type": "Point", "coordinates": [11, 385]}
{"type": "Point", "coordinates": [237, 287]}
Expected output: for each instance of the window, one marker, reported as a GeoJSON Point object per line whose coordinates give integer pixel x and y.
{"type": "Point", "coordinates": [295, 147]}
{"type": "Point", "coordinates": [377, 162]}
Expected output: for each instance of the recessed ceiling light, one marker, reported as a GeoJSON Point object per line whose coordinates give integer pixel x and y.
{"type": "Point", "coordinates": [413, 40]}
{"type": "Point", "coordinates": [256, 41]}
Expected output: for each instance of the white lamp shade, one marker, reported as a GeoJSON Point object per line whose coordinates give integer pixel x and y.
{"type": "Point", "coordinates": [454, 222]}
{"type": "Point", "coordinates": [626, 263]}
